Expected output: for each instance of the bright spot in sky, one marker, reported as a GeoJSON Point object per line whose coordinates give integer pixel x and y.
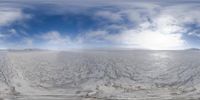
{"type": "Point", "coordinates": [159, 41]}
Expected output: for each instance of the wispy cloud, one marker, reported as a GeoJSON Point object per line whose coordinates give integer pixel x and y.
{"type": "Point", "coordinates": [54, 37]}
{"type": "Point", "coordinates": [9, 15]}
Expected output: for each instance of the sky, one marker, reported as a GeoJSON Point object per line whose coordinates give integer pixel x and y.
{"type": "Point", "coordinates": [77, 24]}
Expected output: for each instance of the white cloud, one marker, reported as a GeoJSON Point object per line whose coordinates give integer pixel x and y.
{"type": "Point", "coordinates": [98, 33]}
{"type": "Point", "coordinates": [57, 41]}
{"type": "Point", "coordinates": [149, 39]}
{"type": "Point", "coordinates": [111, 16]}
{"type": "Point", "coordinates": [194, 33]}
{"type": "Point", "coordinates": [164, 31]}
{"type": "Point", "coordinates": [55, 38]}
{"type": "Point", "coordinates": [161, 27]}
{"type": "Point", "coordinates": [28, 42]}
{"type": "Point", "coordinates": [10, 15]}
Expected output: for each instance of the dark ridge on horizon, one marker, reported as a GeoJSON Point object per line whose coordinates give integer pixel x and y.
{"type": "Point", "coordinates": [193, 49]}
{"type": "Point", "coordinates": [26, 49]}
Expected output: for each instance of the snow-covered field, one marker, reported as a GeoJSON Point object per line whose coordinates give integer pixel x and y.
{"type": "Point", "coordinates": [100, 75]}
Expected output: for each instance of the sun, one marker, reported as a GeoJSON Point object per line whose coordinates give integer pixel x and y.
{"type": "Point", "coordinates": [158, 41]}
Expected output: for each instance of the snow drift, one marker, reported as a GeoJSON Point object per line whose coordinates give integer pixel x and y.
{"type": "Point", "coordinates": [122, 74]}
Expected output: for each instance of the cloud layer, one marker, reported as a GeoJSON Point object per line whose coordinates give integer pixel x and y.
{"type": "Point", "coordinates": [128, 24]}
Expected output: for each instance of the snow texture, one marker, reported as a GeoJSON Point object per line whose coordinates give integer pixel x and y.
{"type": "Point", "coordinates": [100, 75]}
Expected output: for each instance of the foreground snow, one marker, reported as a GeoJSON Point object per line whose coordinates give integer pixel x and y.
{"type": "Point", "coordinates": [91, 75]}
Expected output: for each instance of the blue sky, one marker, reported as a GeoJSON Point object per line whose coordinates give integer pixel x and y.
{"type": "Point", "coordinates": [69, 24]}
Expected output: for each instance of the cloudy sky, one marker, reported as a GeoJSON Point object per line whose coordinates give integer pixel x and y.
{"type": "Point", "coordinates": [68, 24]}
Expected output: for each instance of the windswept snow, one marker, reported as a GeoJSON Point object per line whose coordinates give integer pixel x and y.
{"type": "Point", "coordinates": [93, 75]}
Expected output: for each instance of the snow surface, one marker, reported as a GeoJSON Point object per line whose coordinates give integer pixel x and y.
{"type": "Point", "coordinates": [100, 74]}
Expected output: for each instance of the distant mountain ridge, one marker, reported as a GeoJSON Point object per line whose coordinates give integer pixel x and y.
{"type": "Point", "coordinates": [193, 49]}
{"type": "Point", "coordinates": [26, 49]}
